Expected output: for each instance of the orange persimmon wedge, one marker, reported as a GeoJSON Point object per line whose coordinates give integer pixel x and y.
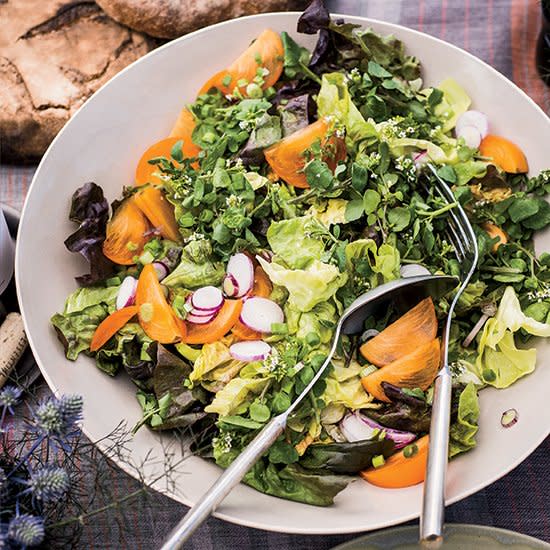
{"type": "Point", "coordinates": [218, 327]}
{"type": "Point", "coordinates": [262, 285]}
{"type": "Point", "coordinates": [126, 234]}
{"type": "Point", "coordinates": [145, 172]}
{"type": "Point", "coordinates": [242, 332]}
{"type": "Point", "coordinates": [287, 159]}
{"type": "Point", "coordinates": [399, 471]}
{"type": "Point", "coordinates": [265, 52]}
{"type": "Point", "coordinates": [152, 202]}
{"type": "Point", "coordinates": [417, 327]}
{"type": "Point", "coordinates": [111, 325]}
{"type": "Point", "coordinates": [416, 370]}
{"type": "Point", "coordinates": [156, 316]}
{"type": "Point", "coordinates": [505, 154]}
{"type": "Point", "coordinates": [495, 231]}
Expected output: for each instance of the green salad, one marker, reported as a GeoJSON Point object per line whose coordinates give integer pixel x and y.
{"type": "Point", "coordinates": [295, 182]}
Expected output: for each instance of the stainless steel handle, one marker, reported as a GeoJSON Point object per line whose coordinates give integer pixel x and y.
{"type": "Point", "coordinates": [433, 507]}
{"type": "Point", "coordinates": [222, 487]}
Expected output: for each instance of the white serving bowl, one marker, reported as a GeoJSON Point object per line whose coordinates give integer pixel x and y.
{"type": "Point", "coordinates": [103, 142]}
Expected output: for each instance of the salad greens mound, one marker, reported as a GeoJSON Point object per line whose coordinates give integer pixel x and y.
{"type": "Point", "coordinates": [364, 210]}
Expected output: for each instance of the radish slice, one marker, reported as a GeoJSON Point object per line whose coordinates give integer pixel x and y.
{"type": "Point", "coordinates": [199, 319]}
{"type": "Point", "coordinates": [126, 293]}
{"type": "Point", "coordinates": [470, 135]}
{"type": "Point", "coordinates": [161, 269]}
{"type": "Point", "coordinates": [230, 286]}
{"type": "Point", "coordinates": [420, 159]}
{"type": "Point", "coordinates": [412, 270]}
{"type": "Point", "coordinates": [240, 266]}
{"type": "Point", "coordinates": [207, 298]}
{"type": "Point", "coordinates": [261, 313]}
{"type": "Point", "coordinates": [357, 427]}
{"type": "Point", "coordinates": [472, 118]}
{"type": "Point", "coordinates": [253, 350]}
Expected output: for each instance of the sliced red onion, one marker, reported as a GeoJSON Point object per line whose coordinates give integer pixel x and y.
{"type": "Point", "coordinates": [207, 298]}
{"type": "Point", "coordinates": [357, 427]}
{"type": "Point", "coordinates": [369, 334]}
{"type": "Point", "coordinates": [261, 313]}
{"type": "Point", "coordinates": [412, 270]}
{"type": "Point", "coordinates": [240, 266]}
{"type": "Point", "coordinates": [161, 269]}
{"type": "Point", "coordinates": [126, 293]}
{"type": "Point", "coordinates": [472, 118]}
{"type": "Point", "coordinates": [230, 286]}
{"type": "Point", "coordinates": [470, 135]}
{"type": "Point", "coordinates": [252, 350]}
{"type": "Point", "coordinates": [420, 159]}
{"type": "Point", "coordinates": [200, 319]}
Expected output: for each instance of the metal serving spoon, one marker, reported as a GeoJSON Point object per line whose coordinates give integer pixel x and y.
{"type": "Point", "coordinates": [404, 293]}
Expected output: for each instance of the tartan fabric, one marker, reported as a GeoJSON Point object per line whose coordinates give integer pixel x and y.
{"type": "Point", "coordinates": [502, 33]}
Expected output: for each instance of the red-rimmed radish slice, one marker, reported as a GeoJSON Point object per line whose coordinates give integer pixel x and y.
{"type": "Point", "coordinates": [230, 286]}
{"type": "Point", "coordinates": [200, 319]}
{"type": "Point", "coordinates": [472, 118]}
{"type": "Point", "coordinates": [207, 298]}
{"type": "Point", "coordinates": [241, 268]}
{"type": "Point", "coordinates": [261, 313]}
{"type": "Point", "coordinates": [252, 350]}
{"type": "Point", "coordinates": [420, 158]}
{"type": "Point", "coordinates": [161, 269]}
{"type": "Point", "coordinates": [126, 293]}
{"type": "Point", "coordinates": [470, 135]}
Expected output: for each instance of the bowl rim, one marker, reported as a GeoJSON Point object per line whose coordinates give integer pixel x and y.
{"type": "Point", "coordinates": [365, 21]}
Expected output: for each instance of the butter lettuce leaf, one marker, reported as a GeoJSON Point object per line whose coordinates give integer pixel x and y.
{"type": "Point", "coordinates": [294, 241]}
{"type": "Point", "coordinates": [75, 330]}
{"type": "Point", "coordinates": [463, 432]}
{"type": "Point", "coordinates": [500, 363]}
{"type": "Point", "coordinates": [334, 100]}
{"type": "Point", "coordinates": [89, 296]}
{"type": "Point", "coordinates": [196, 267]}
{"type": "Point", "coordinates": [455, 101]}
{"type": "Point", "coordinates": [306, 287]}
{"type": "Point", "coordinates": [234, 393]}
{"type": "Point", "coordinates": [343, 387]}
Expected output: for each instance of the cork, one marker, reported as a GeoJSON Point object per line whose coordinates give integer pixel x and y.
{"type": "Point", "coordinates": [13, 342]}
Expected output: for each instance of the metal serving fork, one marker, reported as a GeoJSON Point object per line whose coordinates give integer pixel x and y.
{"type": "Point", "coordinates": [461, 235]}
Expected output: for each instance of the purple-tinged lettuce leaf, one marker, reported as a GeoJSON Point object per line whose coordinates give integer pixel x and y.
{"type": "Point", "coordinates": [90, 209]}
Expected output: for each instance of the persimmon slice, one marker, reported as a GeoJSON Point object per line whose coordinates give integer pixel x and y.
{"type": "Point", "coordinates": [417, 327]}
{"type": "Point", "coordinates": [505, 154]}
{"type": "Point", "coordinates": [265, 52]}
{"type": "Point", "coordinates": [416, 370]}
{"type": "Point", "coordinates": [495, 231]}
{"type": "Point", "coordinates": [126, 234]}
{"type": "Point", "coordinates": [399, 470]}
{"type": "Point", "coordinates": [287, 157]}
{"type": "Point", "coordinates": [152, 202]}
{"type": "Point", "coordinates": [145, 172]}
{"type": "Point", "coordinates": [111, 325]}
{"type": "Point", "coordinates": [156, 316]}
{"type": "Point", "coordinates": [224, 321]}
{"type": "Point", "coordinates": [262, 285]}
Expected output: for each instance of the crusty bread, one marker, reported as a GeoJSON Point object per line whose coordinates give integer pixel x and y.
{"type": "Point", "coordinates": [53, 55]}
{"type": "Point", "coordinates": [172, 18]}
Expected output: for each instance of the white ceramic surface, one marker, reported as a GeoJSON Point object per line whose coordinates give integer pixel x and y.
{"type": "Point", "coordinates": [103, 142]}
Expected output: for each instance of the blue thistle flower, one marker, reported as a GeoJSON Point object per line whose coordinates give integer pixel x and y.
{"type": "Point", "coordinates": [48, 484]}
{"type": "Point", "coordinates": [10, 396]}
{"type": "Point", "coordinates": [26, 530]}
{"type": "Point", "coordinates": [57, 417]}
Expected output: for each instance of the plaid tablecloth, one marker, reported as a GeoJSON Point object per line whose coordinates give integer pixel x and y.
{"type": "Point", "coordinates": [503, 33]}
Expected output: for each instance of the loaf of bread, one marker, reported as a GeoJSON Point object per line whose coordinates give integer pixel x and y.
{"type": "Point", "coordinates": [172, 18]}
{"type": "Point", "coordinates": [53, 55]}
